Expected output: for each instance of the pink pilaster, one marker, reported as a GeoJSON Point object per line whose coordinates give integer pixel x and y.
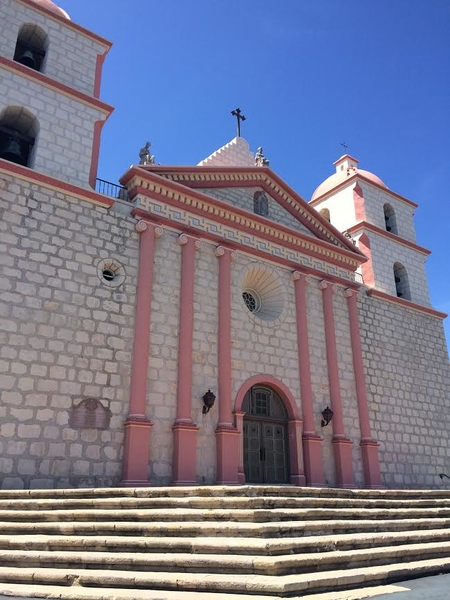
{"type": "Point", "coordinates": [295, 427]}
{"type": "Point", "coordinates": [239, 421]}
{"type": "Point", "coordinates": [137, 425]}
{"type": "Point", "coordinates": [184, 430]}
{"type": "Point", "coordinates": [341, 444]}
{"type": "Point", "coordinates": [227, 445]}
{"type": "Point", "coordinates": [312, 443]}
{"type": "Point", "coordinates": [369, 446]}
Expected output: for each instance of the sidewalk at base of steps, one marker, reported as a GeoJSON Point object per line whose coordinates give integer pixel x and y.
{"type": "Point", "coordinates": [427, 588]}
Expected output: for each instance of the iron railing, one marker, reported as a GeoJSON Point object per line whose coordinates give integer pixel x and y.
{"type": "Point", "coordinates": [112, 190]}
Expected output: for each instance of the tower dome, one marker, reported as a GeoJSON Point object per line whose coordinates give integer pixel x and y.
{"type": "Point", "coordinates": [346, 167]}
{"type": "Point", "coordinates": [49, 5]}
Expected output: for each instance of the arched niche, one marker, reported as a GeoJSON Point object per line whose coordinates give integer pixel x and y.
{"type": "Point", "coordinates": [325, 214]}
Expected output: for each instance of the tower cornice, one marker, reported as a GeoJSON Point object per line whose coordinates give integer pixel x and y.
{"type": "Point", "coordinates": [365, 226]}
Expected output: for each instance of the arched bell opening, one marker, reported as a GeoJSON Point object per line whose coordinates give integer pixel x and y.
{"type": "Point", "coordinates": [31, 46]}
{"type": "Point", "coordinates": [401, 282]}
{"type": "Point", "coordinates": [390, 219]}
{"type": "Point", "coordinates": [19, 129]}
{"type": "Point", "coordinates": [270, 433]}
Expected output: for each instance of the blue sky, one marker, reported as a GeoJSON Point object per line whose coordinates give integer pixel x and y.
{"type": "Point", "coordinates": [307, 75]}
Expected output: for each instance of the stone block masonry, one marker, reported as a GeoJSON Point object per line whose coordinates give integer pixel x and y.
{"type": "Point", "coordinates": [64, 336]}
{"type": "Point", "coordinates": [408, 379]}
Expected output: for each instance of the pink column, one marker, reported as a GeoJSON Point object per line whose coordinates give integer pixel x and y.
{"type": "Point", "coordinates": [342, 445]}
{"type": "Point", "coordinates": [227, 436]}
{"type": "Point", "coordinates": [184, 430]}
{"type": "Point", "coordinates": [137, 426]}
{"type": "Point", "coordinates": [369, 447]}
{"type": "Point", "coordinates": [312, 443]}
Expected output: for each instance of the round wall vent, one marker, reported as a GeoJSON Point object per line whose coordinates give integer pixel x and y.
{"type": "Point", "coordinates": [263, 293]}
{"type": "Point", "coordinates": [111, 272]}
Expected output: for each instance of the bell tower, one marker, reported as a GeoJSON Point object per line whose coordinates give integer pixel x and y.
{"type": "Point", "coordinates": [380, 221]}
{"type": "Point", "coordinates": [50, 73]}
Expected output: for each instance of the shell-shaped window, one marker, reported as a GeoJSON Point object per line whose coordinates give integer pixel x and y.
{"type": "Point", "coordinates": [263, 293]}
{"type": "Point", "coordinates": [31, 46]}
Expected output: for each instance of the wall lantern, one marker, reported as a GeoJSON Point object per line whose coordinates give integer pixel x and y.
{"type": "Point", "coordinates": [208, 401]}
{"type": "Point", "coordinates": [327, 415]}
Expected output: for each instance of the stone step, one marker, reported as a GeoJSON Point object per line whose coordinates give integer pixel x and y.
{"type": "Point", "coordinates": [228, 503]}
{"type": "Point", "coordinates": [220, 545]}
{"type": "Point", "coordinates": [285, 529]}
{"type": "Point", "coordinates": [209, 565]}
{"type": "Point", "coordinates": [79, 584]}
{"type": "Point", "coordinates": [229, 515]}
{"type": "Point", "coordinates": [248, 491]}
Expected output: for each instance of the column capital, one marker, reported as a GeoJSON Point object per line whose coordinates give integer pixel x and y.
{"type": "Point", "coordinates": [297, 275]}
{"type": "Point", "coordinates": [327, 285]}
{"type": "Point", "coordinates": [222, 250]}
{"type": "Point", "coordinates": [350, 292]}
{"type": "Point", "coordinates": [142, 226]}
{"type": "Point", "coordinates": [184, 238]}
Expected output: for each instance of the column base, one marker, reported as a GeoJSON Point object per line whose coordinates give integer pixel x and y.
{"type": "Point", "coordinates": [313, 459]}
{"type": "Point", "coordinates": [343, 462]}
{"type": "Point", "coordinates": [227, 448]}
{"type": "Point", "coordinates": [184, 464]}
{"type": "Point", "coordinates": [136, 449]}
{"type": "Point", "coordinates": [371, 463]}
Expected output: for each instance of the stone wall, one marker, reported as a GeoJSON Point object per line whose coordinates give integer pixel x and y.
{"type": "Point", "coordinates": [408, 383]}
{"type": "Point", "coordinates": [65, 336]}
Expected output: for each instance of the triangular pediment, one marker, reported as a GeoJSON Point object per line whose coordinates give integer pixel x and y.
{"type": "Point", "coordinates": [231, 184]}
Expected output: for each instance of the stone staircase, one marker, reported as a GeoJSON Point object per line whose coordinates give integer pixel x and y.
{"type": "Point", "coordinates": [217, 543]}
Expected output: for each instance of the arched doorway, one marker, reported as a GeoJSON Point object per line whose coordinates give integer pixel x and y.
{"type": "Point", "coordinates": [265, 437]}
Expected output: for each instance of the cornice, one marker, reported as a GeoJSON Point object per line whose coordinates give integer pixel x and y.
{"type": "Point", "coordinates": [406, 303]}
{"type": "Point", "coordinates": [388, 235]}
{"type": "Point", "coordinates": [210, 177]}
{"type": "Point", "coordinates": [32, 176]}
{"type": "Point", "coordinates": [32, 75]}
{"type": "Point", "coordinates": [68, 23]}
{"type": "Point", "coordinates": [359, 177]}
{"type": "Point", "coordinates": [218, 239]}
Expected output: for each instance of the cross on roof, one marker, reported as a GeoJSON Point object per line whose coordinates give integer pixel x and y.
{"type": "Point", "coordinates": [237, 113]}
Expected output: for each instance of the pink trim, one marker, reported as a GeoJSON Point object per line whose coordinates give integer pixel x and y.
{"type": "Point", "coordinates": [341, 444]}
{"type": "Point", "coordinates": [137, 426]}
{"type": "Point", "coordinates": [226, 433]}
{"type": "Point", "coordinates": [312, 443]}
{"type": "Point", "coordinates": [56, 184]}
{"type": "Point", "coordinates": [295, 425]}
{"type": "Point", "coordinates": [371, 461]}
{"type": "Point", "coordinates": [359, 177]}
{"type": "Point", "coordinates": [366, 268]}
{"type": "Point", "coordinates": [67, 22]}
{"type": "Point", "coordinates": [12, 65]}
{"type": "Point", "coordinates": [184, 462]}
{"type": "Point", "coordinates": [389, 236]}
{"type": "Point", "coordinates": [407, 304]}
{"type": "Point", "coordinates": [98, 126]}
{"type": "Point", "coordinates": [358, 200]}
{"type": "Point", "coordinates": [98, 73]}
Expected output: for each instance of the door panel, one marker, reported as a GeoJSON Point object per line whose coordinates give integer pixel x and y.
{"type": "Point", "coordinates": [265, 452]}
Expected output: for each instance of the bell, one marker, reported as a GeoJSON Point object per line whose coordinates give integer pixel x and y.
{"type": "Point", "coordinates": [12, 150]}
{"type": "Point", "coordinates": [28, 59]}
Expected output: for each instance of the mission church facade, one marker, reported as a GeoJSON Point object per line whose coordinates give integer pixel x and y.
{"type": "Point", "coordinates": [200, 324]}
